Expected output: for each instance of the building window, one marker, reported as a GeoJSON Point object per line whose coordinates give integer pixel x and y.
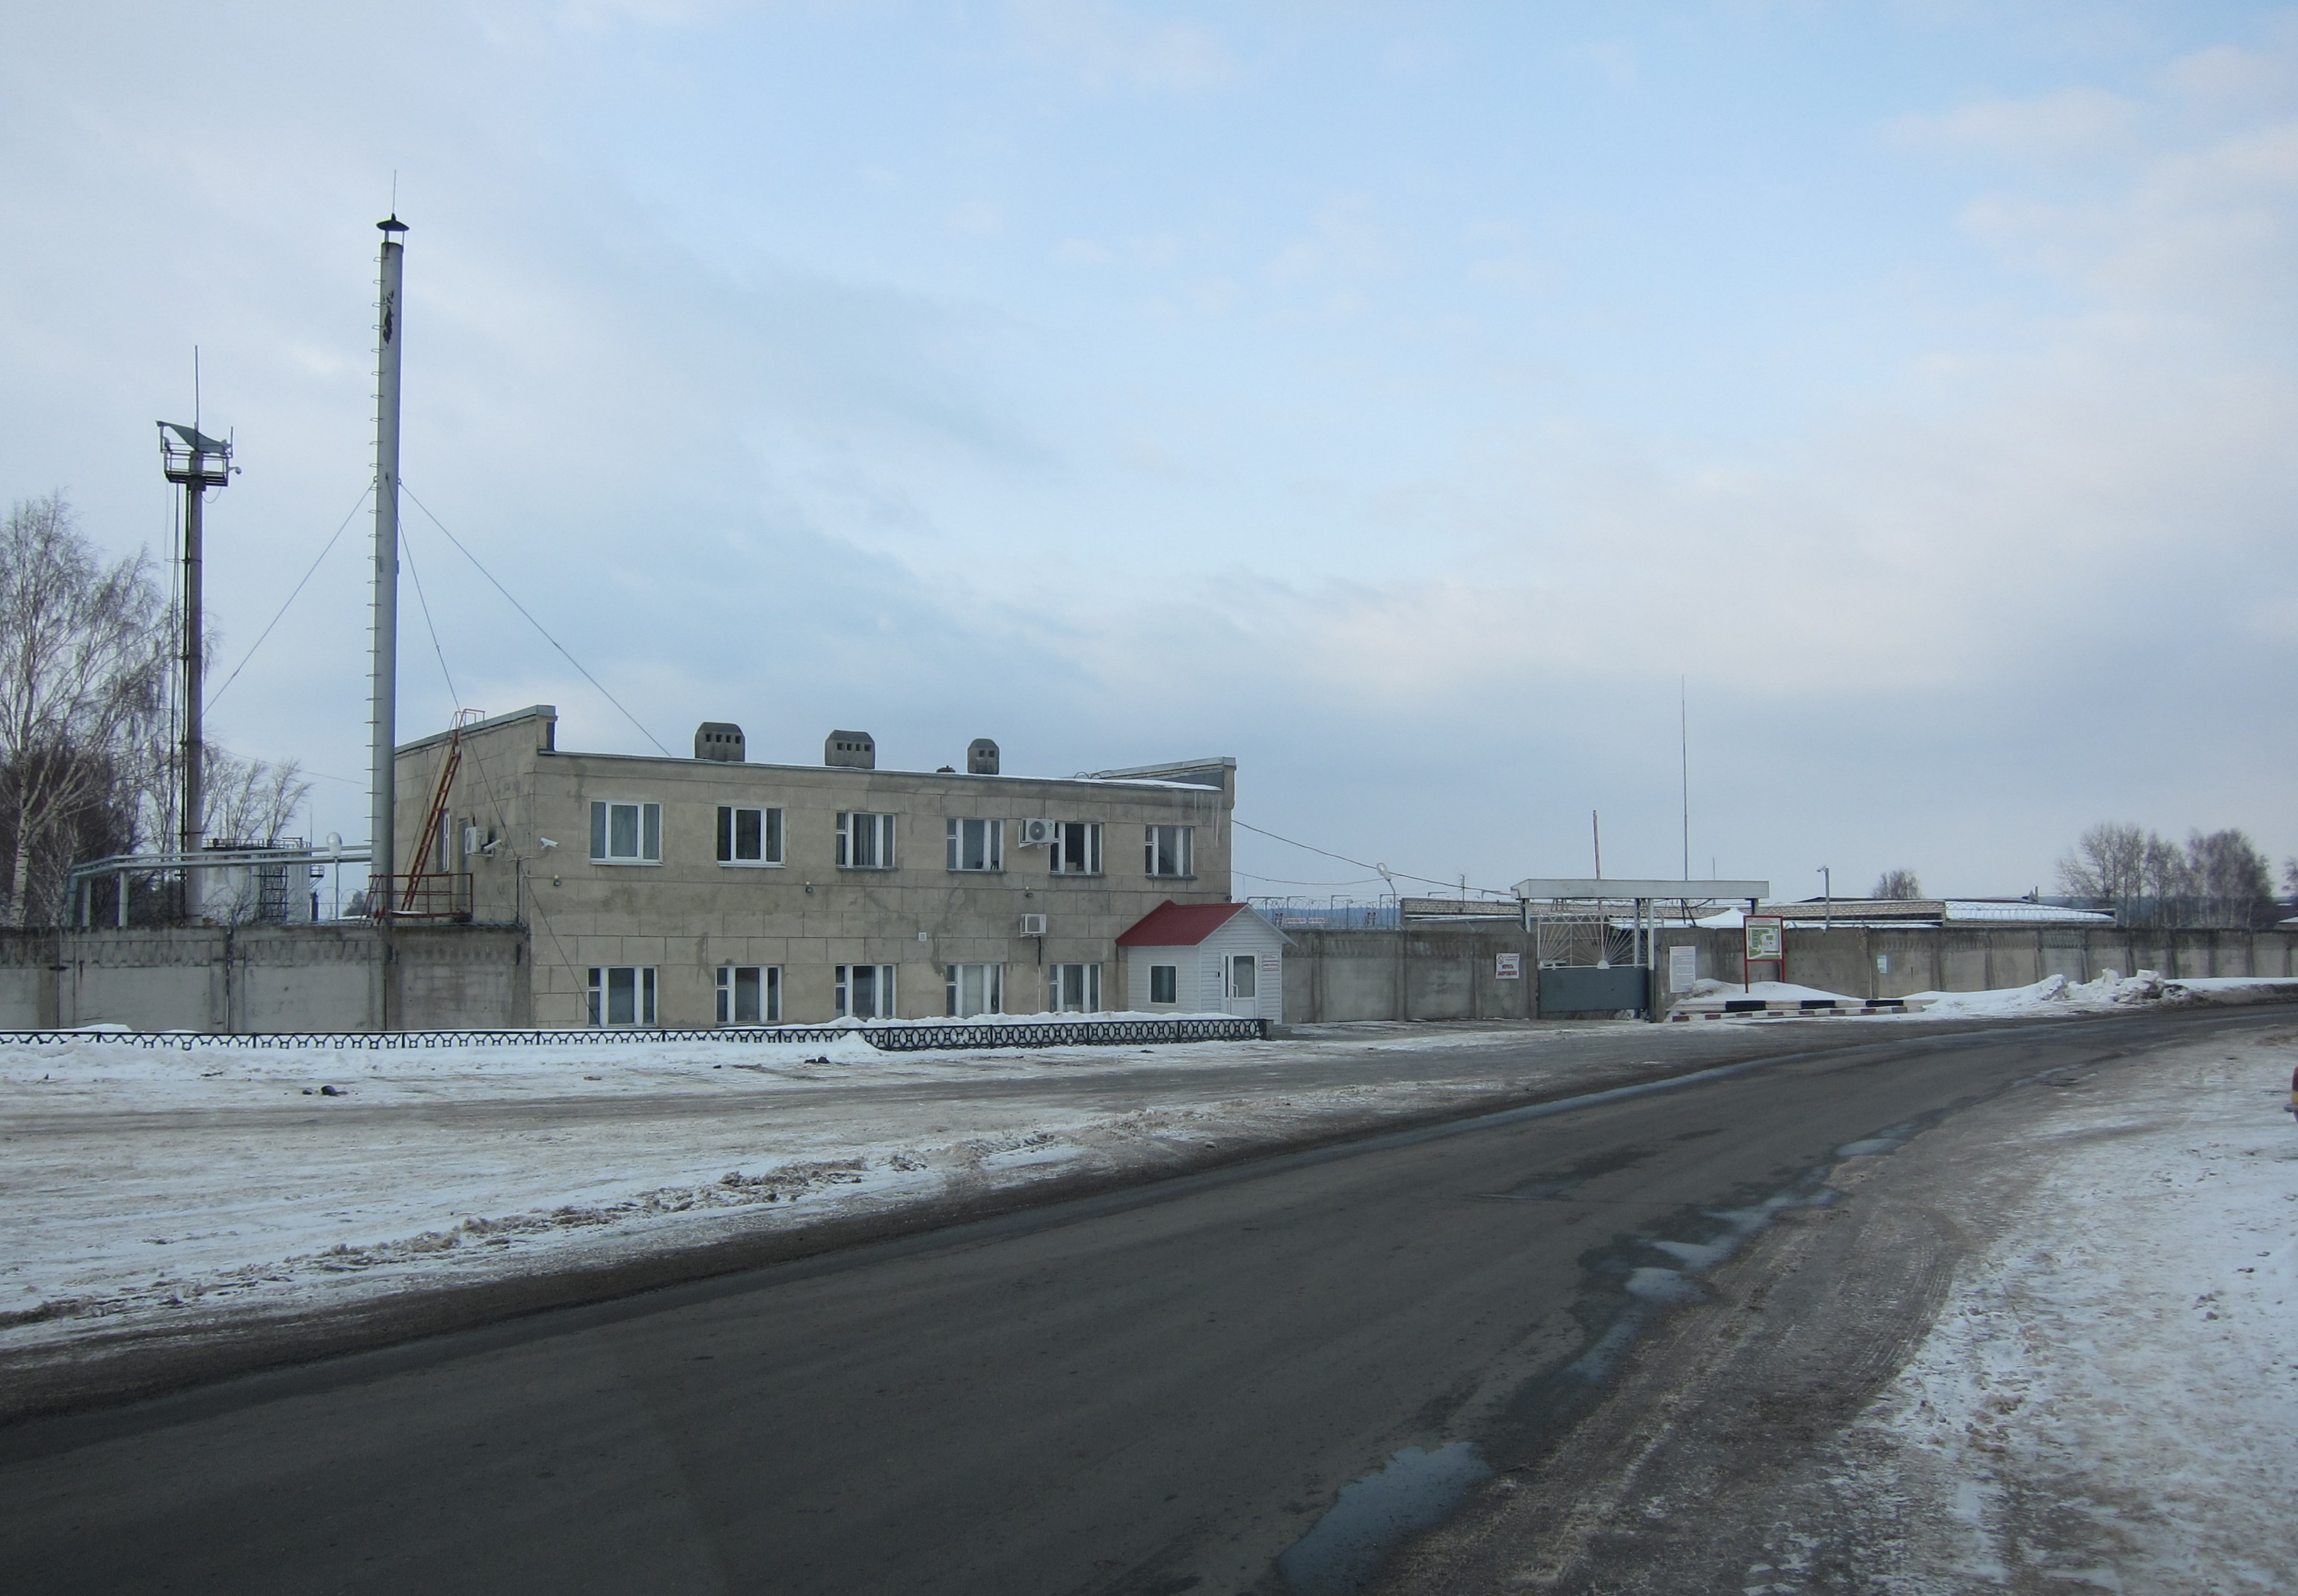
{"type": "Point", "coordinates": [1077, 847]}
{"type": "Point", "coordinates": [1164, 983]}
{"type": "Point", "coordinates": [977, 844]}
{"type": "Point", "coordinates": [626, 833]}
{"type": "Point", "coordinates": [1242, 969]}
{"type": "Point", "coordinates": [1167, 850]}
{"type": "Point", "coordinates": [750, 995]}
{"type": "Point", "coordinates": [976, 989]}
{"type": "Point", "coordinates": [865, 842]}
{"type": "Point", "coordinates": [1075, 988]}
{"type": "Point", "coordinates": [749, 836]}
{"type": "Point", "coordinates": [865, 991]}
{"type": "Point", "coordinates": [622, 995]}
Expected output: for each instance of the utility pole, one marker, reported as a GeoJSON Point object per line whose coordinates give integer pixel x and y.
{"type": "Point", "coordinates": [383, 719]}
{"type": "Point", "coordinates": [198, 463]}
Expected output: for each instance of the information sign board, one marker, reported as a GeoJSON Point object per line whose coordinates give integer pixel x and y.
{"type": "Point", "coordinates": [1766, 939]}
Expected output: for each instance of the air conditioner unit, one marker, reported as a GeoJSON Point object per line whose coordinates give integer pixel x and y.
{"type": "Point", "coordinates": [1033, 925]}
{"type": "Point", "coordinates": [1037, 833]}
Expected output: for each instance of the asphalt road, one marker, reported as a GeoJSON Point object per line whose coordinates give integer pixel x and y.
{"type": "Point", "coordinates": [1148, 1391]}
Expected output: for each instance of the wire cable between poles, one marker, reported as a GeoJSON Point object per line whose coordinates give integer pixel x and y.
{"type": "Point", "coordinates": [531, 621]}
{"type": "Point", "coordinates": [407, 549]}
{"type": "Point", "coordinates": [1360, 864]}
{"type": "Point", "coordinates": [291, 598]}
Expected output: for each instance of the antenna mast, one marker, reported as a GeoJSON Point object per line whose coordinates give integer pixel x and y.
{"type": "Point", "coordinates": [384, 720]}
{"type": "Point", "coordinates": [197, 462]}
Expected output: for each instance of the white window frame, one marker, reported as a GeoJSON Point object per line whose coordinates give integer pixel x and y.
{"type": "Point", "coordinates": [727, 837]}
{"type": "Point", "coordinates": [854, 827]}
{"type": "Point", "coordinates": [1088, 977]}
{"type": "Point", "coordinates": [1088, 835]}
{"type": "Point", "coordinates": [1172, 983]}
{"type": "Point", "coordinates": [769, 992]}
{"type": "Point", "coordinates": [881, 985]}
{"type": "Point", "coordinates": [1185, 836]}
{"type": "Point", "coordinates": [989, 980]}
{"type": "Point", "coordinates": [644, 987]}
{"type": "Point", "coordinates": [960, 836]}
{"type": "Point", "coordinates": [645, 831]}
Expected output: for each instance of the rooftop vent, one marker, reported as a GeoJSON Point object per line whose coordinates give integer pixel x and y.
{"type": "Point", "coordinates": [856, 750]}
{"type": "Point", "coordinates": [981, 758]}
{"type": "Point", "coordinates": [718, 739]}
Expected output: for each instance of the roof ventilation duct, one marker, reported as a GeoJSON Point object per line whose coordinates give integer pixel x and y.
{"type": "Point", "coordinates": [718, 739]}
{"type": "Point", "coordinates": [981, 758]}
{"type": "Point", "coordinates": [856, 750]}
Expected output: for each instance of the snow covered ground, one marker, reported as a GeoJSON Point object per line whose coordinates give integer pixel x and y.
{"type": "Point", "coordinates": [2109, 1400]}
{"type": "Point", "coordinates": [142, 1187]}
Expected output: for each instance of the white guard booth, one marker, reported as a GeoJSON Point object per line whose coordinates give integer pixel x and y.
{"type": "Point", "coordinates": [1205, 959]}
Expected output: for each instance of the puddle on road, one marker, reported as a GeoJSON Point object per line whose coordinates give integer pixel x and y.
{"type": "Point", "coordinates": [1418, 1490]}
{"type": "Point", "coordinates": [1635, 1278]}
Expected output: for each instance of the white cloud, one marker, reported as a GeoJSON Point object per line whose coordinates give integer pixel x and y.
{"type": "Point", "coordinates": [1098, 42]}
{"type": "Point", "coordinates": [2068, 127]}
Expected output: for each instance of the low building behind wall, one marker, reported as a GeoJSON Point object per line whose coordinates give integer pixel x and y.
{"type": "Point", "coordinates": [721, 889]}
{"type": "Point", "coordinates": [255, 979]}
{"type": "Point", "coordinates": [1455, 973]}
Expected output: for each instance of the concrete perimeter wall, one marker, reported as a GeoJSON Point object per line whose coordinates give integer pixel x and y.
{"type": "Point", "coordinates": [256, 978]}
{"type": "Point", "coordinates": [1452, 972]}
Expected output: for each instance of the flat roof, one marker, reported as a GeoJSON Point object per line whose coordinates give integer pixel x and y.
{"type": "Point", "coordinates": [1136, 776]}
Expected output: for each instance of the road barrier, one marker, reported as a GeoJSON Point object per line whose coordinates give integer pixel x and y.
{"type": "Point", "coordinates": [1808, 1008]}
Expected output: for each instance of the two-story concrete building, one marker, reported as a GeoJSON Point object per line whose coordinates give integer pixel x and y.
{"type": "Point", "coordinates": [713, 890]}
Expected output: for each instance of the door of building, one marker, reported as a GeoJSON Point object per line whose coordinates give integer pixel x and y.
{"type": "Point", "coordinates": [1241, 984]}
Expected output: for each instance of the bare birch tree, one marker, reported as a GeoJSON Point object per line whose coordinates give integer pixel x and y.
{"type": "Point", "coordinates": [2227, 878]}
{"type": "Point", "coordinates": [83, 687]}
{"type": "Point", "coordinates": [1897, 885]}
{"type": "Point", "coordinates": [252, 801]}
{"type": "Point", "coordinates": [2108, 866]}
{"type": "Point", "coordinates": [2215, 878]}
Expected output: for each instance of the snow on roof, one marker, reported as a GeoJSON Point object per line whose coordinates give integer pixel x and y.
{"type": "Point", "coordinates": [2026, 913]}
{"type": "Point", "coordinates": [1180, 925]}
{"type": "Point", "coordinates": [1951, 911]}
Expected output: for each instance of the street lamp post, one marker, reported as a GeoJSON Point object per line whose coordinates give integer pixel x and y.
{"type": "Point", "coordinates": [1827, 886]}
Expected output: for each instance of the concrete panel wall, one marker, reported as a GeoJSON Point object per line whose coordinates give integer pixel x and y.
{"type": "Point", "coordinates": [448, 978]}
{"type": "Point", "coordinates": [269, 978]}
{"type": "Point", "coordinates": [27, 980]}
{"type": "Point", "coordinates": [1449, 973]}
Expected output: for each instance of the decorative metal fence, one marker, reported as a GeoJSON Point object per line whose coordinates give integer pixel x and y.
{"type": "Point", "coordinates": [886, 1038]}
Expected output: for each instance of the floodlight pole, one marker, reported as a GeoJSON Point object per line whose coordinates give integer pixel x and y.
{"type": "Point", "coordinates": [383, 719]}
{"type": "Point", "coordinates": [197, 462]}
{"type": "Point", "coordinates": [193, 817]}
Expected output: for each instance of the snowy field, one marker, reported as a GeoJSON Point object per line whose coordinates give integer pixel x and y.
{"type": "Point", "coordinates": [2109, 1400]}
{"type": "Point", "coordinates": [142, 1187]}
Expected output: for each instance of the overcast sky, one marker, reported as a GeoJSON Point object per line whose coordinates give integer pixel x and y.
{"type": "Point", "coordinates": [1410, 401]}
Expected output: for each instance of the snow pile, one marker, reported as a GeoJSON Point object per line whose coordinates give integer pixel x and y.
{"type": "Point", "coordinates": [2112, 992]}
{"type": "Point", "coordinates": [1764, 991]}
{"type": "Point", "coordinates": [2109, 1401]}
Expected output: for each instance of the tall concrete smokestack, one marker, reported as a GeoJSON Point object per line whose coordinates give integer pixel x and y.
{"type": "Point", "coordinates": [384, 719]}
